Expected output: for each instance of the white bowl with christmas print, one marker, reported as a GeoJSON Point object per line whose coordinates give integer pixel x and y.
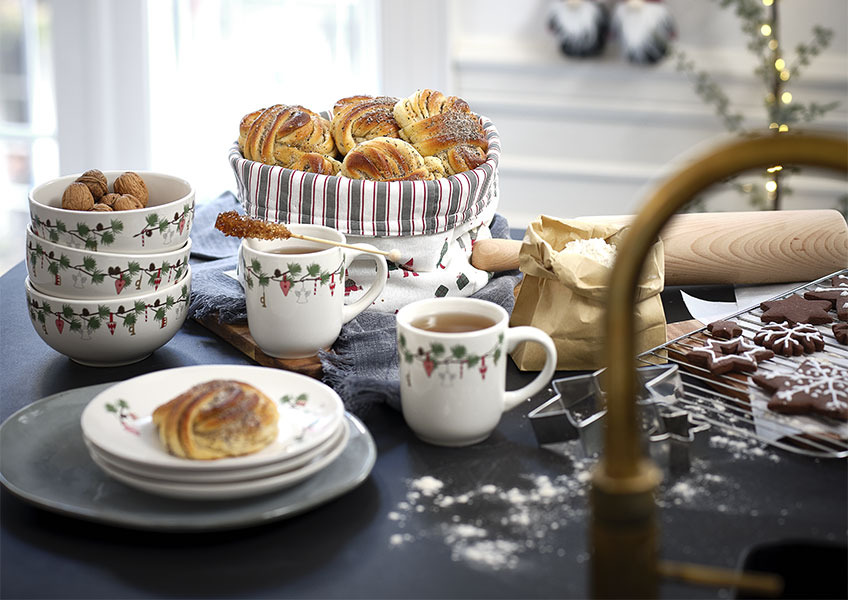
{"type": "Point", "coordinates": [164, 224]}
{"type": "Point", "coordinates": [80, 274]}
{"type": "Point", "coordinates": [113, 332]}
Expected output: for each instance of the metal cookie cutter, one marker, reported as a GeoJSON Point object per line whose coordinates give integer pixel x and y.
{"type": "Point", "coordinates": [672, 449]}
{"type": "Point", "coordinates": [577, 412]}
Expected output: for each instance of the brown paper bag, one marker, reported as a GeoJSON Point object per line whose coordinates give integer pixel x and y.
{"type": "Point", "coordinates": [563, 294]}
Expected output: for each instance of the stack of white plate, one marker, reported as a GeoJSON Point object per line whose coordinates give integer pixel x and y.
{"type": "Point", "coordinates": [122, 439]}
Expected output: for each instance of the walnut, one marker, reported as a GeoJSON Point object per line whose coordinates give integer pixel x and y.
{"type": "Point", "coordinates": [100, 207]}
{"type": "Point", "coordinates": [109, 199]}
{"type": "Point", "coordinates": [132, 184]}
{"type": "Point", "coordinates": [96, 182]}
{"type": "Point", "coordinates": [127, 202]}
{"type": "Point", "coordinates": [77, 196]}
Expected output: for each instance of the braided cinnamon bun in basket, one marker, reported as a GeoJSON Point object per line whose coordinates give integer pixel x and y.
{"type": "Point", "coordinates": [272, 135]}
{"type": "Point", "coordinates": [443, 127]}
{"type": "Point", "coordinates": [360, 118]}
{"type": "Point", "coordinates": [389, 159]}
{"type": "Point", "coordinates": [447, 138]}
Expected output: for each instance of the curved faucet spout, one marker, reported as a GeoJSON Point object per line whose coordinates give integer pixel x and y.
{"type": "Point", "coordinates": [623, 529]}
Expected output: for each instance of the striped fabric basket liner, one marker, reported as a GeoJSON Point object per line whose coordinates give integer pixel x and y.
{"type": "Point", "coordinates": [432, 223]}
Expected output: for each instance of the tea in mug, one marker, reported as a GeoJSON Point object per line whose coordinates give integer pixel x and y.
{"type": "Point", "coordinates": [452, 322]}
{"type": "Point", "coordinates": [295, 250]}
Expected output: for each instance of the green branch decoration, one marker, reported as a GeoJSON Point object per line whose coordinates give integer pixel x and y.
{"type": "Point", "coordinates": [254, 274]}
{"type": "Point", "coordinates": [294, 401]}
{"type": "Point", "coordinates": [92, 237]}
{"type": "Point", "coordinates": [89, 237]}
{"type": "Point", "coordinates": [92, 272]}
{"type": "Point", "coordinates": [437, 356]}
{"type": "Point", "coordinates": [759, 21]}
{"type": "Point", "coordinates": [163, 225]}
{"type": "Point", "coordinates": [710, 92]}
{"type": "Point", "coordinates": [121, 409]}
{"type": "Point", "coordinates": [87, 322]}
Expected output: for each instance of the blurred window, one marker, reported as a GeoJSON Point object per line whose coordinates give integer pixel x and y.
{"type": "Point", "coordinates": [209, 62]}
{"type": "Point", "coordinates": [27, 109]}
{"type": "Point", "coordinates": [213, 61]}
{"type": "Point", "coordinates": [28, 145]}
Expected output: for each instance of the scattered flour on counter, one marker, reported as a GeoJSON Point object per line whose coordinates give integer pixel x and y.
{"type": "Point", "coordinates": [397, 539]}
{"type": "Point", "coordinates": [684, 490]}
{"type": "Point", "coordinates": [693, 489]}
{"type": "Point", "coordinates": [496, 527]}
{"type": "Point", "coordinates": [428, 485]}
{"type": "Point", "coordinates": [596, 249]}
{"type": "Point", "coordinates": [497, 554]}
{"type": "Point", "coordinates": [742, 448]}
{"type": "Point", "coordinates": [492, 526]}
{"type": "Point", "coordinates": [703, 489]}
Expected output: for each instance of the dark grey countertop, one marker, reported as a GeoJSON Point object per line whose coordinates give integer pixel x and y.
{"type": "Point", "coordinates": [510, 521]}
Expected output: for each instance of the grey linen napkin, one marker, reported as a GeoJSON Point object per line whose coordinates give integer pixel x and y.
{"type": "Point", "coordinates": [212, 254]}
{"type": "Point", "coordinates": [363, 364]}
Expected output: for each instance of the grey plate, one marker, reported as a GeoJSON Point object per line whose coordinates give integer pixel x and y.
{"type": "Point", "coordinates": [43, 460]}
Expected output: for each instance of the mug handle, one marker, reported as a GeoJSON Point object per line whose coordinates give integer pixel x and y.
{"type": "Point", "coordinates": [351, 310]}
{"type": "Point", "coordinates": [239, 260]}
{"type": "Point", "coordinates": [516, 335]}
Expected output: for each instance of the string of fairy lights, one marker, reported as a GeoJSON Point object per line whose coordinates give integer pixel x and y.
{"type": "Point", "coordinates": [780, 76]}
{"type": "Point", "coordinates": [776, 66]}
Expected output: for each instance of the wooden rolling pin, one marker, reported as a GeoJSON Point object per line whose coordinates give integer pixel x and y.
{"type": "Point", "coordinates": [726, 248]}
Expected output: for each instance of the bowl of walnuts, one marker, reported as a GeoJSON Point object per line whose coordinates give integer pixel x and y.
{"type": "Point", "coordinates": [114, 211]}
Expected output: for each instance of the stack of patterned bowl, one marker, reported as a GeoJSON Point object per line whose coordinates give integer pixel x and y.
{"type": "Point", "coordinates": [108, 287]}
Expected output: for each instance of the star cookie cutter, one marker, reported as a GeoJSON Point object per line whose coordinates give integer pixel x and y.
{"type": "Point", "coordinates": [673, 448]}
{"type": "Point", "coordinates": [577, 412]}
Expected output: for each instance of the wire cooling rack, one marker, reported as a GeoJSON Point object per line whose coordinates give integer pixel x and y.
{"type": "Point", "coordinates": [734, 403]}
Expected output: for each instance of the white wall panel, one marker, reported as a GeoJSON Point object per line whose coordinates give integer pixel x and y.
{"type": "Point", "coordinates": [590, 136]}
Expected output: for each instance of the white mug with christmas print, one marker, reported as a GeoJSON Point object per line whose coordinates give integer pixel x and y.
{"type": "Point", "coordinates": [453, 354]}
{"type": "Point", "coordinates": [295, 290]}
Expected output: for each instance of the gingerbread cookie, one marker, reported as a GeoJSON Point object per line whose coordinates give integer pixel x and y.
{"type": "Point", "coordinates": [724, 329]}
{"type": "Point", "coordinates": [735, 355]}
{"type": "Point", "coordinates": [795, 309]}
{"type": "Point", "coordinates": [836, 294]}
{"type": "Point", "coordinates": [838, 287]}
{"type": "Point", "coordinates": [840, 332]}
{"type": "Point", "coordinates": [770, 381]}
{"type": "Point", "coordinates": [815, 388]}
{"type": "Point", "coordinates": [790, 339]}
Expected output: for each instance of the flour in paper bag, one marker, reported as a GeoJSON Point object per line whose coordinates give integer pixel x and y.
{"type": "Point", "coordinates": [596, 249]}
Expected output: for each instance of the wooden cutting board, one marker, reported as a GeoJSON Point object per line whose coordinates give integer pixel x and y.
{"type": "Point", "coordinates": [238, 335]}
{"type": "Point", "coordinates": [681, 328]}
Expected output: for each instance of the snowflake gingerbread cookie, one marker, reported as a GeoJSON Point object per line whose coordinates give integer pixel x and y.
{"type": "Point", "coordinates": [815, 388]}
{"type": "Point", "coordinates": [788, 339]}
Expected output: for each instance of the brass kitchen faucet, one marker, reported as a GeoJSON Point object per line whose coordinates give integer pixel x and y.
{"type": "Point", "coordinates": [624, 530]}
